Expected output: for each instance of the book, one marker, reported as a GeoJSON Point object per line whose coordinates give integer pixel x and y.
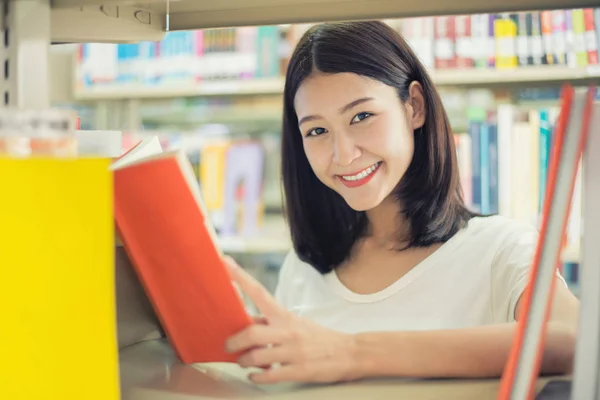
{"type": "Point", "coordinates": [522, 368]}
{"type": "Point", "coordinates": [57, 287]}
{"type": "Point", "coordinates": [167, 234]}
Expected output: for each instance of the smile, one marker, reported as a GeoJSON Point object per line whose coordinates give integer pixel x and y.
{"type": "Point", "coordinates": [361, 177]}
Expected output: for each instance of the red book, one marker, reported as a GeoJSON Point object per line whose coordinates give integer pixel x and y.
{"type": "Point", "coordinates": [445, 38]}
{"type": "Point", "coordinates": [165, 230]}
{"type": "Point", "coordinates": [591, 43]}
{"type": "Point", "coordinates": [464, 43]}
{"type": "Point", "coordinates": [569, 139]}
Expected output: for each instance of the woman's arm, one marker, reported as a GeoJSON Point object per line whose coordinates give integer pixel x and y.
{"type": "Point", "coordinates": [470, 352]}
{"type": "Point", "coordinates": [307, 352]}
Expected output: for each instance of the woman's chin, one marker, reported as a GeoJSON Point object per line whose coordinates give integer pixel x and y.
{"type": "Point", "coordinates": [362, 204]}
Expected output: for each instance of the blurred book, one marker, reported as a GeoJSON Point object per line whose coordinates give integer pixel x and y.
{"type": "Point", "coordinates": [163, 223]}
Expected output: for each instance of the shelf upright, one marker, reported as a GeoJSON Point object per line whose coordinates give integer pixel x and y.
{"type": "Point", "coordinates": [25, 43]}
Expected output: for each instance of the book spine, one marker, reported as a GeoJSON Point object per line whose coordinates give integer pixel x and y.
{"type": "Point", "coordinates": [484, 144]}
{"type": "Point", "coordinates": [475, 132]}
{"type": "Point", "coordinates": [491, 41]}
{"type": "Point", "coordinates": [493, 167]}
{"type": "Point", "coordinates": [570, 54]}
{"type": "Point", "coordinates": [524, 54]}
{"type": "Point", "coordinates": [464, 58]}
{"type": "Point", "coordinates": [558, 34]}
{"type": "Point", "coordinates": [479, 40]}
{"type": "Point", "coordinates": [505, 31]}
{"type": "Point", "coordinates": [546, 21]}
{"type": "Point", "coordinates": [445, 53]}
{"type": "Point", "coordinates": [537, 43]}
{"type": "Point", "coordinates": [545, 143]}
{"type": "Point", "coordinates": [590, 35]}
{"type": "Point", "coordinates": [579, 37]}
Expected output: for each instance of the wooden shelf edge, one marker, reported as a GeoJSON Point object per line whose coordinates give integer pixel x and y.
{"type": "Point", "coordinates": [198, 14]}
{"type": "Point", "coordinates": [442, 78]}
{"type": "Point", "coordinates": [183, 89]}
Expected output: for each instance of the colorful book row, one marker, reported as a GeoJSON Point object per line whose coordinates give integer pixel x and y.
{"type": "Point", "coordinates": [507, 40]}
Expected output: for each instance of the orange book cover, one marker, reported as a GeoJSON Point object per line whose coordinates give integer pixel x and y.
{"type": "Point", "coordinates": [166, 232]}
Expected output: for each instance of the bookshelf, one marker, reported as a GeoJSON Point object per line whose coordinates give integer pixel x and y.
{"type": "Point", "coordinates": [209, 88]}
{"type": "Point", "coordinates": [531, 76]}
{"type": "Point", "coordinates": [119, 20]}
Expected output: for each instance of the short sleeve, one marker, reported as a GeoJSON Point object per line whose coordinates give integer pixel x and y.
{"type": "Point", "coordinates": [510, 270]}
{"type": "Point", "coordinates": [282, 289]}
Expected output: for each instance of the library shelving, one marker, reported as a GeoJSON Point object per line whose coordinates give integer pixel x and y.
{"type": "Point", "coordinates": [151, 370]}
{"type": "Point", "coordinates": [221, 87]}
{"type": "Point", "coordinates": [119, 20]}
{"type": "Point", "coordinates": [449, 77]}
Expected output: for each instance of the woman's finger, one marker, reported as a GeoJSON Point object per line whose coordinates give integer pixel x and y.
{"type": "Point", "coordinates": [262, 356]}
{"type": "Point", "coordinates": [259, 319]}
{"type": "Point", "coordinates": [256, 335]}
{"type": "Point", "coordinates": [260, 296]}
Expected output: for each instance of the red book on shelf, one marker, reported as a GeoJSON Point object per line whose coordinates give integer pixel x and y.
{"type": "Point", "coordinates": [569, 138]}
{"type": "Point", "coordinates": [591, 44]}
{"type": "Point", "coordinates": [165, 230]}
{"type": "Point", "coordinates": [445, 42]}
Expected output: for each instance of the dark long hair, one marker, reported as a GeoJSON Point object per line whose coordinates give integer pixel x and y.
{"type": "Point", "coordinates": [323, 227]}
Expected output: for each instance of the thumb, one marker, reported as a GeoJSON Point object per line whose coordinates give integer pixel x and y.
{"type": "Point", "coordinates": [262, 299]}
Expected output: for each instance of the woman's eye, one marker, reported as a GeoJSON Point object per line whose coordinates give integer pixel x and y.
{"type": "Point", "coordinates": [316, 132]}
{"type": "Point", "coordinates": [360, 117]}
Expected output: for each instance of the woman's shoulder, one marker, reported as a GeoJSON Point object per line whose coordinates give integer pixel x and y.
{"type": "Point", "coordinates": [295, 276]}
{"type": "Point", "coordinates": [293, 266]}
{"type": "Point", "coordinates": [497, 228]}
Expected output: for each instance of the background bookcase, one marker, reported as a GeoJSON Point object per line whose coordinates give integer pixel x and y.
{"type": "Point", "coordinates": [499, 74]}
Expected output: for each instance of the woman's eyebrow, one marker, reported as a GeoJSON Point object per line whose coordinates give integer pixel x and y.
{"type": "Point", "coordinates": [344, 109]}
{"type": "Point", "coordinates": [354, 104]}
{"type": "Point", "coordinates": [308, 118]}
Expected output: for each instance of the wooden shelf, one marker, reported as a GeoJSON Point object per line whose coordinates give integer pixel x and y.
{"type": "Point", "coordinates": [452, 77]}
{"type": "Point", "coordinates": [257, 245]}
{"type": "Point", "coordinates": [207, 88]}
{"type": "Point", "coordinates": [197, 14]}
{"type": "Point", "coordinates": [530, 75]}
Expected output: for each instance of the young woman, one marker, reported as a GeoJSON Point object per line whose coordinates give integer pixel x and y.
{"type": "Point", "coordinates": [391, 275]}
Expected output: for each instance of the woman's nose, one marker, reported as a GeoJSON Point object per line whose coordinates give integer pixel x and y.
{"type": "Point", "coordinates": [345, 150]}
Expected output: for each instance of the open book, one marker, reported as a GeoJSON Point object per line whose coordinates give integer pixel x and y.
{"type": "Point", "coordinates": [165, 229]}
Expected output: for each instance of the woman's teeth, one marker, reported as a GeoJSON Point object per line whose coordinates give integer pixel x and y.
{"type": "Point", "coordinates": [362, 174]}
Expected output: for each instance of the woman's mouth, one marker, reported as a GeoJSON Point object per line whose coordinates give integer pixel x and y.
{"type": "Point", "coordinates": [361, 177]}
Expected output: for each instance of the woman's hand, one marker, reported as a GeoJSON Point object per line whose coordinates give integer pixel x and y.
{"type": "Point", "coordinates": [305, 351]}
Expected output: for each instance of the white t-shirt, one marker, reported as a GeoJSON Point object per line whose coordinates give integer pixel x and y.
{"type": "Point", "coordinates": [475, 278]}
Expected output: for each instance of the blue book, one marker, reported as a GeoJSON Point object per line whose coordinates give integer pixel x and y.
{"type": "Point", "coordinates": [545, 148]}
{"type": "Point", "coordinates": [484, 145]}
{"type": "Point", "coordinates": [475, 132]}
{"type": "Point", "coordinates": [493, 168]}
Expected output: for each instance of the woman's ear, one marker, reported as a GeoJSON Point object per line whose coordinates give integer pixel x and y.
{"type": "Point", "coordinates": [416, 101]}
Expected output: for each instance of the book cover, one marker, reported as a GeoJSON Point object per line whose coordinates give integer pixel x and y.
{"type": "Point", "coordinates": [166, 232]}
{"type": "Point", "coordinates": [58, 285]}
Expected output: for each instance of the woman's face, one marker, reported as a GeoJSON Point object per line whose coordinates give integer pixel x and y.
{"type": "Point", "coordinates": [357, 135]}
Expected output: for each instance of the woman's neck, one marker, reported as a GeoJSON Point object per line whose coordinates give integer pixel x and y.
{"type": "Point", "coordinates": [387, 225]}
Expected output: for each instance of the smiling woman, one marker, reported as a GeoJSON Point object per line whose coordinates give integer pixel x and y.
{"type": "Point", "coordinates": [390, 274]}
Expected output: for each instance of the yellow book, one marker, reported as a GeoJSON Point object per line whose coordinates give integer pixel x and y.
{"type": "Point", "coordinates": [212, 173]}
{"type": "Point", "coordinates": [58, 331]}
{"type": "Point", "coordinates": [505, 32]}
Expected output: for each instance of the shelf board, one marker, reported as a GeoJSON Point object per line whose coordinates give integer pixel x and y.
{"type": "Point", "coordinates": [531, 75]}
{"type": "Point", "coordinates": [257, 245]}
{"type": "Point", "coordinates": [105, 23]}
{"type": "Point", "coordinates": [442, 78]}
{"type": "Point", "coordinates": [185, 89]}
{"type": "Point", "coordinates": [198, 14]}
